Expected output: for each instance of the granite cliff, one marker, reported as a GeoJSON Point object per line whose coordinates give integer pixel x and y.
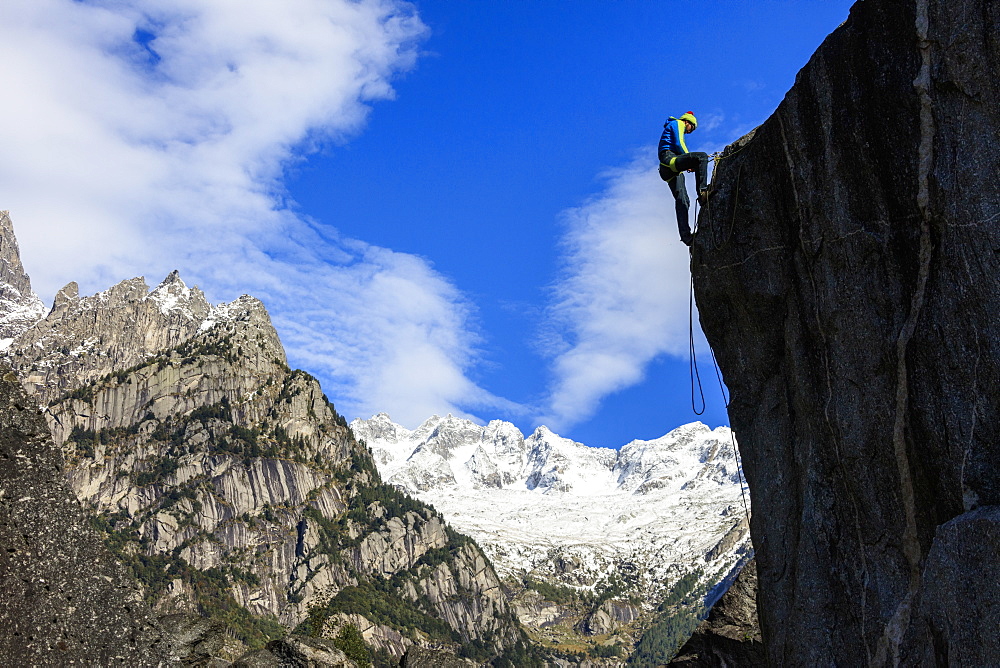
{"type": "Point", "coordinates": [232, 490]}
{"type": "Point", "coordinates": [846, 274]}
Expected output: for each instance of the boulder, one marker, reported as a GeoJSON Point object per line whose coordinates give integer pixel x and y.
{"type": "Point", "coordinates": [730, 636]}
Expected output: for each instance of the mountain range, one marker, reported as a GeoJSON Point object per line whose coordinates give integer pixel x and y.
{"type": "Point", "coordinates": [549, 507]}
{"type": "Point", "coordinates": [233, 492]}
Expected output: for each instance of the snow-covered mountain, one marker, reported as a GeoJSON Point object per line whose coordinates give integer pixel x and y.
{"type": "Point", "coordinates": [551, 507]}
{"type": "Point", "coordinates": [20, 307]}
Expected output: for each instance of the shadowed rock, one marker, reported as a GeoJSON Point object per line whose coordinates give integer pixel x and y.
{"type": "Point", "coordinates": [846, 275]}
{"type": "Point", "coordinates": [731, 634]}
{"type": "Point", "coordinates": [65, 600]}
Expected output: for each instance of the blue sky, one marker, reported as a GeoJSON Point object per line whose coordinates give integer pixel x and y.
{"type": "Point", "coordinates": [446, 206]}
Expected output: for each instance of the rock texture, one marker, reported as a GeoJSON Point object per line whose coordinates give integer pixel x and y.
{"type": "Point", "coordinates": [731, 634]}
{"type": "Point", "coordinates": [846, 274]}
{"type": "Point", "coordinates": [951, 598]}
{"type": "Point", "coordinates": [66, 600]}
{"type": "Point", "coordinates": [232, 489]}
{"type": "Point", "coordinates": [305, 652]}
{"type": "Point", "coordinates": [199, 641]}
{"type": "Point", "coordinates": [84, 338]}
{"type": "Point", "coordinates": [420, 657]}
{"type": "Point", "coordinates": [20, 308]}
{"type": "Point", "coordinates": [611, 616]}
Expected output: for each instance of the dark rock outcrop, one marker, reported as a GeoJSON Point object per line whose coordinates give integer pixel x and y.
{"type": "Point", "coordinates": [65, 598]}
{"type": "Point", "coordinates": [197, 640]}
{"type": "Point", "coordinates": [951, 598]}
{"type": "Point", "coordinates": [731, 634]}
{"type": "Point", "coordinates": [846, 274]}
{"type": "Point", "coordinates": [296, 650]}
{"type": "Point", "coordinates": [427, 657]}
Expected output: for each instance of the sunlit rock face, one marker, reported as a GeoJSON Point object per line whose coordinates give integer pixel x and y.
{"type": "Point", "coordinates": [230, 486]}
{"type": "Point", "coordinates": [846, 274]}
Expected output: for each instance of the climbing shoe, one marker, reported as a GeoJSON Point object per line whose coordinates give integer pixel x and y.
{"type": "Point", "coordinates": [686, 239]}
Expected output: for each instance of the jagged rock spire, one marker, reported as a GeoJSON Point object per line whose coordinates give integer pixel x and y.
{"type": "Point", "coordinates": [19, 306]}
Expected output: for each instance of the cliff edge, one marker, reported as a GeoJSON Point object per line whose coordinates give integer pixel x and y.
{"type": "Point", "coordinates": [847, 274]}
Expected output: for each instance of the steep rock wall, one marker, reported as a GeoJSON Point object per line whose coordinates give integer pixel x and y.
{"type": "Point", "coordinates": [231, 488]}
{"type": "Point", "coordinates": [846, 274]}
{"type": "Point", "coordinates": [20, 307]}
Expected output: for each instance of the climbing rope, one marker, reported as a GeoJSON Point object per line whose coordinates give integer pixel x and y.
{"type": "Point", "coordinates": [696, 376]}
{"type": "Point", "coordinates": [718, 245]}
{"type": "Point", "coordinates": [693, 358]}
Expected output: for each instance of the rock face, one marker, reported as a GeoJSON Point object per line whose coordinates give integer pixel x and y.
{"type": "Point", "coordinates": [232, 489]}
{"type": "Point", "coordinates": [66, 600]}
{"type": "Point", "coordinates": [846, 274]}
{"type": "Point", "coordinates": [950, 598]}
{"type": "Point", "coordinates": [610, 617]}
{"type": "Point", "coordinates": [731, 634]}
{"type": "Point", "coordinates": [19, 306]}
{"type": "Point", "coordinates": [84, 338]}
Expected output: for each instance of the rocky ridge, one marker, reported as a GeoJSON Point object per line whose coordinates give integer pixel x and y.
{"type": "Point", "coordinates": [20, 307]}
{"type": "Point", "coordinates": [230, 486]}
{"type": "Point", "coordinates": [570, 511]}
{"type": "Point", "coordinates": [846, 277]}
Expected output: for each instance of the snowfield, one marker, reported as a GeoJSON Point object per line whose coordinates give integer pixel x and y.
{"type": "Point", "coordinates": [551, 507]}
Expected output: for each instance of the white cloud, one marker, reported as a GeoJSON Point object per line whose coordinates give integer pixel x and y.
{"type": "Point", "coordinates": [120, 160]}
{"type": "Point", "coordinates": [710, 121]}
{"type": "Point", "coordinates": [622, 297]}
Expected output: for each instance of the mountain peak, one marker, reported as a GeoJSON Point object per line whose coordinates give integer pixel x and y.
{"type": "Point", "coordinates": [598, 505]}
{"type": "Point", "coordinates": [173, 277]}
{"type": "Point", "coordinates": [172, 295]}
{"type": "Point", "coordinates": [20, 307]}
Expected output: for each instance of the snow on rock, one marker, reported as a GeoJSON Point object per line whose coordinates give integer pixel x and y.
{"type": "Point", "coordinates": [172, 295]}
{"type": "Point", "coordinates": [554, 507]}
{"type": "Point", "coordinates": [82, 339]}
{"type": "Point", "coordinates": [20, 307]}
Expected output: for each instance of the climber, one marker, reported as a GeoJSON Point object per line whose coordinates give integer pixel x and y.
{"type": "Point", "coordinates": [674, 160]}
